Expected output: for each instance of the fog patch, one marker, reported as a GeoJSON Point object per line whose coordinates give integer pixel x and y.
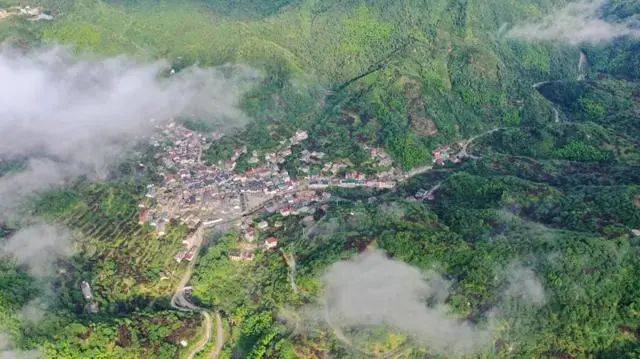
{"type": "Point", "coordinates": [78, 116]}
{"type": "Point", "coordinates": [577, 22]}
{"type": "Point", "coordinates": [34, 311]}
{"type": "Point", "coordinates": [38, 247]}
{"type": "Point", "coordinates": [39, 174]}
{"type": "Point", "coordinates": [525, 286]}
{"type": "Point", "coordinates": [372, 290]}
{"type": "Point", "coordinates": [7, 350]}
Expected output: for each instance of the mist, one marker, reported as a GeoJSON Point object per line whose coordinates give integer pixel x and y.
{"type": "Point", "coordinates": [372, 290]}
{"type": "Point", "coordinates": [578, 22]}
{"type": "Point", "coordinates": [525, 286]}
{"type": "Point", "coordinates": [7, 351]}
{"type": "Point", "coordinates": [38, 247]}
{"type": "Point", "coordinates": [77, 115]}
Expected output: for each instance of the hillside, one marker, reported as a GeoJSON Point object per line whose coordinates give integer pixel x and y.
{"type": "Point", "coordinates": [507, 209]}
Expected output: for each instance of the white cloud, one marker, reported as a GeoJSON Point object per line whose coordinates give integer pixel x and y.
{"type": "Point", "coordinates": [578, 22]}
{"type": "Point", "coordinates": [76, 116]}
{"type": "Point", "coordinates": [372, 290]}
{"type": "Point", "coordinates": [38, 247]}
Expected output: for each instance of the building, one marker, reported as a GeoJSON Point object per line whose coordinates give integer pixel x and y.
{"type": "Point", "coordinates": [249, 235]}
{"type": "Point", "coordinates": [271, 242]}
{"type": "Point", "coordinates": [86, 290]}
{"type": "Point", "coordinates": [180, 256]}
{"type": "Point", "coordinates": [238, 255]}
{"type": "Point", "coordinates": [263, 225]}
{"type": "Point", "coordinates": [190, 254]}
{"type": "Point", "coordinates": [285, 211]}
{"type": "Point", "coordinates": [300, 136]}
{"type": "Point", "coordinates": [422, 193]}
{"type": "Point", "coordinates": [208, 224]}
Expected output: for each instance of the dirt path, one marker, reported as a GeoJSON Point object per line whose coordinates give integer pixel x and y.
{"type": "Point", "coordinates": [219, 337]}
{"type": "Point", "coordinates": [207, 330]}
{"type": "Point", "coordinates": [290, 259]}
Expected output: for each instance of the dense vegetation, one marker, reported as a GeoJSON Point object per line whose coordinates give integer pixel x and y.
{"type": "Point", "coordinates": [556, 193]}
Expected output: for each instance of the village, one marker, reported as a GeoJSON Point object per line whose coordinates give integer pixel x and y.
{"type": "Point", "coordinates": [203, 196]}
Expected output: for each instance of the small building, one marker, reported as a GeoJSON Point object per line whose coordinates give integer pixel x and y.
{"type": "Point", "coordinates": [271, 242]}
{"type": "Point", "coordinates": [191, 253]}
{"type": "Point", "coordinates": [42, 16]}
{"type": "Point", "coordinates": [386, 162]}
{"type": "Point", "coordinates": [263, 225]}
{"type": "Point", "coordinates": [636, 232]}
{"type": "Point", "coordinates": [300, 136]}
{"type": "Point", "coordinates": [86, 290]}
{"type": "Point", "coordinates": [238, 255]}
{"type": "Point", "coordinates": [208, 224]}
{"type": "Point", "coordinates": [422, 193]}
{"type": "Point", "coordinates": [180, 256]}
{"type": "Point", "coordinates": [249, 235]}
{"type": "Point", "coordinates": [285, 211]}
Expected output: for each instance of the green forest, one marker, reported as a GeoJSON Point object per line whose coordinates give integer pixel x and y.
{"type": "Point", "coordinates": [553, 183]}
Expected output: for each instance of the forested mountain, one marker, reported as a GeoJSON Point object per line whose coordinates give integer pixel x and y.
{"type": "Point", "coordinates": [524, 244]}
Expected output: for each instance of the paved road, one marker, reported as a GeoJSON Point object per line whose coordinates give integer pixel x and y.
{"type": "Point", "coordinates": [180, 302]}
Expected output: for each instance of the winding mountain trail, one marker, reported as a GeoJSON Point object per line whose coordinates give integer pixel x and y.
{"type": "Point", "coordinates": [583, 63]}
{"type": "Point", "coordinates": [181, 303]}
{"type": "Point", "coordinates": [290, 259]}
{"type": "Point", "coordinates": [203, 342]}
{"type": "Point", "coordinates": [219, 337]}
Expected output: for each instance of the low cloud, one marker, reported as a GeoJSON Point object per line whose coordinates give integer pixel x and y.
{"type": "Point", "coordinates": [373, 290]}
{"type": "Point", "coordinates": [7, 350]}
{"type": "Point", "coordinates": [39, 174]}
{"type": "Point", "coordinates": [38, 247]}
{"type": "Point", "coordinates": [525, 286]}
{"type": "Point", "coordinates": [578, 22]}
{"type": "Point", "coordinates": [77, 116]}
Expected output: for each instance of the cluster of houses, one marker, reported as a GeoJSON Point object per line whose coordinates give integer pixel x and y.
{"type": "Point", "coordinates": [202, 195]}
{"type": "Point", "coordinates": [381, 156]}
{"type": "Point", "coordinates": [206, 195]}
{"type": "Point", "coordinates": [446, 154]}
{"type": "Point", "coordinates": [248, 244]}
{"type": "Point", "coordinates": [246, 250]}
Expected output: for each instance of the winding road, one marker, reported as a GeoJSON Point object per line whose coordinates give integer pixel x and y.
{"type": "Point", "coordinates": [181, 303]}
